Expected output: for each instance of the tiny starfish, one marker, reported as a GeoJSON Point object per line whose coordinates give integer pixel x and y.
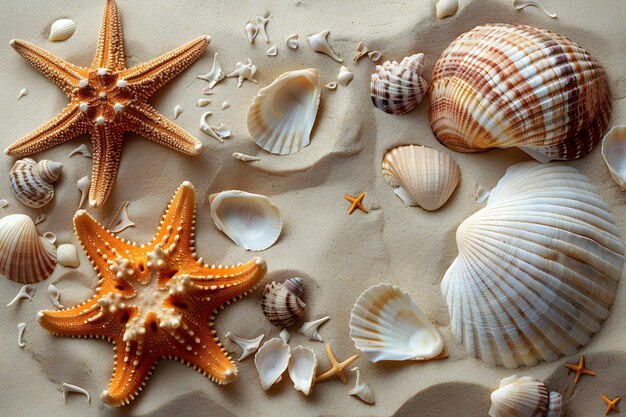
{"type": "Point", "coordinates": [580, 369]}
{"type": "Point", "coordinates": [356, 203]}
{"type": "Point", "coordinates": [107, 100]}
{"type": "Point", "coordinates": [611, 404]}
{"type": "Point", "coordinates": [155, 301]}
{"type": "Point", "coordinates": [336, 367]}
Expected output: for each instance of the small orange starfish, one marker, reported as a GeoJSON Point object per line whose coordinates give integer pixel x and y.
{"type": "Point", "coordinates": [611, 404]}
{"type": "Point", "coordinates": [580, 369]}
{"type": "Point", "coordinates": [336, 367]}
{"type": "Point", "coordinates": [356, 203]}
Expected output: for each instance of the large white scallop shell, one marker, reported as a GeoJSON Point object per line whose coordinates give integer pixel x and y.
{"type": "Point", "coordinates": [252, 221]}
{"type": "Point", "coordinates": [25, 257]}
{"type": "Point", "coordinates": [302, 368]}
{"type": "Point", "coordinates": [537, 268]}
{"type": "Point", "coordinates": [31, 182]}
{"type": "Point", "coordinates": [614, 154]}
{"type": "Point", "coordinates": [424, 176]}
{"type": "Point", "coordinates": [525, 397]}
{"type": "Point", "coordinates": [271, 361]}
{"type": "Point", "coordinates": [386, 324]}
{"type": "Point", "coordinates": [281, 116]}
{"type": "Point", "coordinates": [399, 88]}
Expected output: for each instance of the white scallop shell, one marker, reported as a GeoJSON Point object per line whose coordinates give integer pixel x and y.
{"type": "Point", "coordinates": [524, 397]}
{"type": "Point", "coordinates": [386, 324]}
{"type": "Point", "coordinates": [252, 221]}
{"type": "Point", "coordinates": [67, 255]}
{"type": "Point", "coordinates": [399, 88]}
{"type": "Point", "coordinates": [271, 360]}
{"type": "Point", "coordinates": [25, 257]}
{"type": "Point", "coordinates": [614, 154]}
{"type": "Point", "coordinates": [61, 30]}
{"type": "Point", "coordinates": [302, 369]}
{"type": "Point", "coordinates": [537, 268]}
{"type": "Point", "coordinates": [424, 176]}
{"type": "Point", "coordinates": [31, 182]}
{"type": "Point", "coordinates": [281, 116]}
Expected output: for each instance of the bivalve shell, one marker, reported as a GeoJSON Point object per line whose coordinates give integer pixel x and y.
{"type": "Point", "coordinates": [399, 88]}
{"type": "Point", "coordinates": [31, 182]}
{"type": "Point", "coordinates": [68, 256]}
{"type": "Point", "coordinates": [525, 397]}
{"type": "Point", "coordinates": [271, 361]}
{"type": "Point", "coordinates": [302, 369]}
{"type": "Point", "coordinates": [281, 303]}
{"type": "Point", "coordinates": [614, 154]}
{"type": "Point", "coordinates": [61, 30]}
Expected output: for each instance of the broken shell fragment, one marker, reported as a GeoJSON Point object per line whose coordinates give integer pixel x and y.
{"type": "Point", "coordinates": [374, 56]}
{"type": "Point", "coordinates": [248, 346]}
{"type": "Point", "coordinates": [292, 41]}
{"type": "Point", "coordinates": [525, 397]}
{"type": "Point", "coordinates": [345, 76]}
{"type": "Point", "coordinates": [243, 72]}
{"type": "Point", "coordinates": [614, 154]}
{"type": "Point", "coordinates": [61, 30]}
{"type": "Point", "coordinates": [245, 158]}
{"type": "Point", "coordinates": [251, 32]}
{"type": "Point", "coordinates": [302, 368]}
{"type": "Point", "coordinates": [361, 50]}
{"type": "Point", "coordinates": [398, 88]}
{"type": "Point", "coordinates": [23, 93]}
{"type": "Point", "coordinates": [331, 85]}
{"type": "Point", "coordinates": [217, 132]}
{"type": "Point", "coordinates": [177, 111]}
{"type": "Point", "coordinates": [522, 4]}
{"type": "Point", "coordinates": [203, 102]}
{"type": "Point", "coordinates": [445, 8]}
{"type": "Point", "coordinates": [82, 150]}
{"type": "Point", "coordinates": [271, 361]}
{"type": "Point", "coordinates": [281, 303]}
{"type": "Point", "coordinates": [319, 43]}
{"type": "Point", "coordinates": [32, 182]}
{"type": "Point", "coordinates": [26, 292]}
{"type": "Point", "coordinates": [54, 294]}
{"type": "Point", "coordinates": [272, 51]}
{"type": "Point", "coordinates": [67, 255]}
{"type": "Point", "coordinates": [309, 328]}
{"type": "Point", "coordinates": [361, 389]}
{"type": "Point", "coordinates": [120, 219]}
{"type": "Point", "coordinates": [214, 76]}
{"type": "Point", "coordinates": [83, 185]}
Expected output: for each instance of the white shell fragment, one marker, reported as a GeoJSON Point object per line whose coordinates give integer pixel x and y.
{"type": "Point", "coordinates": [248, 346]}
{"type": "Point", "coordinates": [54, 294]}
{"type": "Point", "coordinates": [23, 93]}
{"type": "Point", "coordinates": [61, 30]}
{"type": "Point", "coordinates": [309, 328]}
{"type": "Point", "coordinates": [3, 203]}
{"type": "Point", "coordinates": [177, 111]}
{"type": "Point", "coordinates": [481, 194]}
{"type": "Point", "coordinates": [537, 269]}
{"type": "Point", "coordinates": [386, 324]}
{"type": "Point", "coordinates": [207, 91]}
{"type": "Point", "coordinates": [120, 219]}
{"type": "Point", "coordinates": [614, 154]}
{"type": "Point", "coordinates": [243, 72]}
{"type": "Point", "coordinates": [68, 256]}
{"type": "Point", "coordinates": [445, 8]}
{"type": "Point", "coordinates": [361, 51]}
{"type": "Point", "coordinates": [214, 76]}
{"type": "Point", "coordinates": [331, 86]}
{"type": "Point", "coordinates": [26, 292]}
{"type": "Point", "coordinates": [292, 41]}
{"type": "Point", "coordinates": [217, 132]}
{"type": "Point", "coordinates": [82, 150]}
{"type": "Point", "coordinates": [374, 56]}
{"type": "Point", "coordinates": [252, 221]}
{"type": "Point", "coordinates": [345, 76]}
{"type": "Point", "coordinates": [83, 185]}
{"type": "Point", "coordinates": [41, 218]}
{"type": "Point", "coordinates": [74, 388]}
{"type": "Point", "coordinates": [272, 51]}
{"type": "Point", "coordinates": [256, 27]}
{"type": "Point", "coordinates": [225, 105]}
{"type": "Point", "coordinates": [20, 334]}
{"type": "Point", "coordinates": [245, 158]}
{"type": "Point", "coordinates": [203, 102]}
{"type": "Point", "coordinates": [284, 334]}
{"type": "Point", "coordinates": [50, 237]}
{"type": "Point", "coordinates": [271, 361]}
{"type": "Point", "coordinates": [32, 182]}
{"type": "Point", "coordinates": [361, 389]}
{"type": "Point", "coordinates": [319, 43]}
{"type": "Point", "coordinates": [398, 88]}
{"type": "Point", "coordinates": [525, 397]}
{"type": "Point", "coordinates": [281, 116]}
{"type": "Point", "coordinates": [251, 32]}
{"type": "Point", "coordinates": [521, 4]}
{"type": "Point", "coordinates": [302, 368]}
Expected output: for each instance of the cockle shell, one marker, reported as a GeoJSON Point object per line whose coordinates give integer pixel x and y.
{"type": "Point", "coordinates": [502, 86]}
{"type": "Point", "coordinates": [525, 397]}
{"type": "Point", "coordinates": [302, 368]}
{"type": "Point", "coordinates": [281, 116]}
{"type": "Point", "coordinates": [614, 154]}
{"type": "Point", "coordinates": [537, 268]}
{"type": "Point", "coordinates": [281, 303]}
{"type": "Point", "coordinates": [386, 324]}
{"type": "Point", "coordinates": [61, 30]}
{"type": "Point", "coordinates": [271, 361]}
{"type": "Point", "coordinates": [25, 257]}
{"type": "Point", "coordinates": [252, 221]}
{"type": "Point", "coordinates": [399, 88]}
{"type": "Point", "coordinates": [425, 177]}
{"type": "Point", "coordinates": [31, 182]}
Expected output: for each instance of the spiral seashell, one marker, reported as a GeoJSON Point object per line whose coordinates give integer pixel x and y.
{"type": "Point", "coordinates": [525, 397]}
{"type": "Point", "coordinates": [25, 257]}
{"type": "Point", "coordinates": [614, 154]}
{"type": "Point", "coordinates": [31, 182]}
{"type": "Point", "coordinates": [281, 303]}
{"type": "Point", "coordinates": [537, 269]}
{"type": "Point", "coordinates": [399, 88]}
{"type": "Point", "coordinates": [502, 86]}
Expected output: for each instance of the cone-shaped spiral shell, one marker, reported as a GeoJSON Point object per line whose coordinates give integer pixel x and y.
{"type": "Point", "coordinates": [386, 324]}
{"type": "Point", "coordinates": [281, 116]}
{"type": "Point", "coordinates": [399, 88]}
{"type": "Point", "coordinates": [424, 177]}
{"type": "Point", "coordinates": [537, 268]}
{"type": "Point", "coordinates": [614, 154]}
{"type": "Point", "coordinates": [31, 182]}
{"type": "Point", "coordinates": [525, 397]}
{"type": "Point", "coordinates": [302, 368]}
{"type": "Point", "coordinates": [502, 86]}
{"type": "Point", "coordinates": [25, 257]}
{"type": "Point", "coordinates": [271, 360]}
{"type": "Point", "coordinates": [281, 303]}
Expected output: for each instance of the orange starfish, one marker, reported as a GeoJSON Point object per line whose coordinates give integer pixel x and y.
{"type": "Point", "coordinates": [336, 367]}
{"type": "Point", "coordinates": [107, 100]}
{"type": "Point", "coordinates": [580, 369]}
{"type": "Point", "coordinates": [155, 301]}
{"type": "Point", "coordinates": [356, 203]}
{"type": "Point", "coordinates": [611, 404]}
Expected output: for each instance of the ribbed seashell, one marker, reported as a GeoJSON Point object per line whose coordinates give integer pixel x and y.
{"type": "Point", "coordinates": [537, 268]}
{"type": "Point", "coordinates": [281, 303]}
{"type": "Point", "coordinates": [614, 154]}
{"type": "Point", "coordinates": [31, 182]}
{"type": "Point", "coordinates": [25, 257]}
{"type": "Point", "coordinates": [525, 397]}
{"type": "Point", "coordinates": [386, 324]}
{"type": "Point", "coordinates": [67, 255]}
{"type": "Point", "coordinates": [271, 361]}
{"type": "Point", "coordinates": [281, 116]}
{"type": "Point", "coordinates": [252, 221]}
{"type": "Point", "coordinates": [61, 30]}
{"type": "Point", "coordinates": [424, 176]}
{"type": "Point", "coordinates": [302, 368]}
{"type": "Point", "coordinates": [502, 86]}
{"type": "Point", "coordinates": [399, 88]}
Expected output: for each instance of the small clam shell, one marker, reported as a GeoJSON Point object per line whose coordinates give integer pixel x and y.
{"type": "Point", "coordinates": [399, 88]}
{"type": "Point", "coordinates": [61, 30]}
{"type": "Point", "coordinates": [271, 361]}
{"type": "Point", "coordinates": [445, 8]}
{"type": "Point", "coordinates": [614, 154]}
{"type": "Point", "coordinates": [302, 368]}
{"type": "Point", "coordinates": [524, 397]}
{"type": "Point", "coordinates": [280, 305]}
{"type": "Point", "coordinates": [67, 255]}
{"type": "Point", "coordinates": [31, 182]}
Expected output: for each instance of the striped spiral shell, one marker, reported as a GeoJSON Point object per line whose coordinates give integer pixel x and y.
{"type": "Point", "coordinates": [502, 86]}
{"type": "Point", "coordinates": [31, 182]}
{"type": "Point", "coordinates": [281, 303]}
{"type": "Point", "coordinates": [525, 397]}
{"type": "Point", "coordinates": [399, 88]}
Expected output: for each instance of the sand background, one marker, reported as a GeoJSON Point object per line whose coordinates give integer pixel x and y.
{"type": "Point", "coordinates": [338, 256]}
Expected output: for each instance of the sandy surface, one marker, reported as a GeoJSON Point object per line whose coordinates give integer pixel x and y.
{"type": "Point", "coordinates": [338, 256]}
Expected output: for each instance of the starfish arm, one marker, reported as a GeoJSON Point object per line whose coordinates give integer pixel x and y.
{"type": "Point", "coordinates": [57, 70]}
{"type": "Point", "coordinates": [107, 141]}
{"type": "Point", "coordinates": [146, 78]}
{"type": "Point", "coordinates": [110, 52]}
{"type": "Point", "coordinates": [67, 125]}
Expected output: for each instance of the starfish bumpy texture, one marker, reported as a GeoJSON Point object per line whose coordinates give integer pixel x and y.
{"type": "Point", "coordinates": [155, 301]}
{"type": "Point", "coordinates": [107, 100]}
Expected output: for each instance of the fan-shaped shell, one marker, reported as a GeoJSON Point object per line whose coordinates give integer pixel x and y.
{"type": "Point", "coordinates": [31, 182]}
{"type": "Point", "coordinates": [302, 368]}
{"type": "Point", "coordinates": [25, 257]}
{"type": "Point", "coordinates": [524, 397]}
{"type": "Point", "coordinates": [537, 268]}
{"type": "Point", "coordinates": [252, 221]}
{"type": "Point", "coordinates": [399, 88]}
{"type": "Point", "coordinates": [425, 177]}
{"type": "Point", "coordinates": [387, 324]}
{"type": "Point", "coordinates": [614, 154]}
{"type": "Point", "coordinates": [281, 116]}
{"type": "Point", "coordinates": [281, 303]}
{"type": "Point", "coordinates": [271, 360]}
{"type": "Point", "coordinates": [502, 86]}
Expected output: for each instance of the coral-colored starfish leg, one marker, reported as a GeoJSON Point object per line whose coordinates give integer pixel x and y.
{"type": "Point", "coordinates": [356, 203]}
{"type": "Point", "coordinates": [579, 369]}
{"type": "Point", "coordinates": [337, 369]}
{"type": "Point", "coordinates": [611, 404]}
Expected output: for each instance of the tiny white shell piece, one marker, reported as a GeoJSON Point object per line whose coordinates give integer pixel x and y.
{"type": "Point", "coordinates": [61, 30]}
{"type": "Point", "coordinates": [271, 360]}
{"type": "Point", "coordinates": [361, 50]}
{"type": "Point", "coordinates": [243, 72]}
{"type": "Point", "coordinates": [23, 92]}
{"type": "Point", "coordinates": [245, 158]}
{"type": "Point", "coordinates": [41, 218]}
{"type": "Point", "coordinates": [445, 8]}
{"type": "Point", "coordinates": [248, 346]}
{"type": "Point", "coordinates": [256, 27]}
{"type": "Point", "coordinates": [26, 292]}
{"type": "Point", "coordinates": [331, 85]}
{"type": "Point", "coordinates": [214, 76]}
{"type": "Point", "coordinates": [54, 294]}
{"type": "Point", "coordinates": [225, 105]}
{"type": "Point", "coordinates": [251, 32]}
{"type": "Point", "coordinates": [284, 334]}
{"type": "Point", "coordinates": [20, 334]}
{"type": "Point", "coordinates": [614, 154]}
{"type": "Point", "coordinates": [521, 4]}
{"type": "Point", "coordinates": [345, 76]}
{"type": "Point", "coordinates": [83, 185]}
{"type": "Point", "coordinates": [319, 43]}
{"type": "Point", "coordinates": [374, 55]}
{"type": "Point", "coordinates": [67, 255]}
{"type": "Point", "coordinates": [120, 219]}
{"type": "Point", "coordinates": [272, 51]}
{"type": "Point", "coordinates": [50, 237]}
{"type": "Point", "coordinates": [525, 397]}
{"type": "Point", "coordinates": [74, 388]}
{"type": "Point", "coordinates": [481, 194]}
{"type": "Point", "coordinates": [361, 389]}
{"type": "Point", "coordinates": [82, 150]}
{"type": "Point", "coordinates": [292, 41]}
{"type": "Point", "coordinates": [32, 182]}
{"type": "Point", "coordinates": [302, 369]}
{"type": "Point", "coordinates": [309, 328]}
{"type": "Point", "coordinates": [207, 91]}
{"type": "Point", "coordinates": [203, 102]}
{"type": "Point", "coordinates": [3, 203]}
{"type": "Point", "coordinates": [177, 111]}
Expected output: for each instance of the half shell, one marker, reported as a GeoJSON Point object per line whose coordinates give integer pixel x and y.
{"type": "Point", "coordinates": [281, 303]}
{"type": "Point", "coordinates": [61, 30]}
{"type": "Point", "coordinates": [271, 360]}
{"type": "Point", "coordinates": [399, 88]}
{"type": "Point", "coordinates": [386, 324]}
{"type": "Point", "coordinates": [502, 86]}
{"type": "Point", "coordinates": [281, 116]}
{"type": "Point", "coordinates": [537, 268]}
{"type": "Point", "coordinates": [302, 368]}
{"type": "Point", "coordinates": [525, 397]}
{"type": "Point", "coordinates": [31, 182]}
{"type": "Point", "coordinates": [614, 154]}
{"type": "Point", "coordinates": [424, 177]}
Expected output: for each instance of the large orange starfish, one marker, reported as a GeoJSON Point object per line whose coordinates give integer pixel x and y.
{"type": "Point", "coordinates": [155, 301]}
{"type": "Point", "coordinates": [107, 100]}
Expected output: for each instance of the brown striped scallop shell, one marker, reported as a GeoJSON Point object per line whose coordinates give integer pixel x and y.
{"type": "Point", "coordinates": [502, 86]}
{"type": "Point", "coordinates": [31, 182]}
{"type": "Point", "coordinates": [399, 88]}
{"type": "Point", "coordinates": [281, 303]}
